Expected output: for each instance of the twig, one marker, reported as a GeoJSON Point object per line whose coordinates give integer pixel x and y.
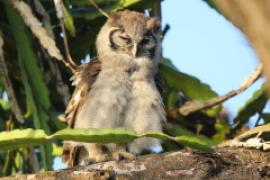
{"type": "Point", "coordinates": [193, 106]}
{"type": "Point", "coordinates": [60, 15]}
{"type": "Point", "coordinates": [99, 9]}
{"type": "Point", "coordinates": [259, 118]}
{"type": "Point", "coordinates": [256, 131]}
{"type": "Point", "coordinates": [8, 85]}
{"type": "Point", "coordinates": [34, 160]}
{"type": "Point", "coordinates": [165, 31]}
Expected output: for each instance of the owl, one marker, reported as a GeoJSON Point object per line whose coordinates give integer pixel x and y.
{"type": "Point", "coordinates": [119, 88]}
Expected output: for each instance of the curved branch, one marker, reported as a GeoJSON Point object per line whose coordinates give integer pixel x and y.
{"type": "Point", "coordinates": [193, 106]}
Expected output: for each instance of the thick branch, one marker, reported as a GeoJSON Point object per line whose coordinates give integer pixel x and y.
{"type": "Point", "coordinates": [225, 163]}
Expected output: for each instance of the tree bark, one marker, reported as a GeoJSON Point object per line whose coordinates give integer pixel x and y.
{"type": "Point", "coordinates": [224, 163]}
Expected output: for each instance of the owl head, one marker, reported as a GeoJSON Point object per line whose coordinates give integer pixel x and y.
{"type": "Point", "coordinates": [129, 34]}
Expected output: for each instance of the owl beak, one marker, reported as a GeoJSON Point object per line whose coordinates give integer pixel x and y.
{"type": "Point", "coordinates": [135, 49]}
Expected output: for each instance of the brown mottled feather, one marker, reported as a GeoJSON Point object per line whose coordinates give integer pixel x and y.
{"type": "Point", "coordinates": [83, 79]}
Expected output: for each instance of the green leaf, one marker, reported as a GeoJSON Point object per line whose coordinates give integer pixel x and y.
{"type": "Point", "coordinates": [90, 12]}
{"type": "Point", "coordinates": [222, 129]}
{"type": "Point", "coordinates": [69, 22]}
{"type": "Point", "coordinates": [181, 131]}
{"type": "Point", "coordinates": [190, 86]}
{"type": "Point", "coordinates": [21, 138]}
{"type": "Point", "coordinates": [190, 141]}
{"type": "Point", "coordinates": [101, 136]}
{"type": "Point", "coordinates": [193, 142]}
{"type": "Point", "coordinates": [4, 104]}
{"type": "Point", "coordinates": [169, 63]}
{"type": "Point", "coordinates": [30, 137]}
{"type": "Point", "coordinates": [57, 150]}
{"type": "Point", "coordinates": [253, 105]}
{"type": "Point", "coordinates": [158, 135]}
{"type": "Point", "coordinates": [210, 3]}
{"type": "Point", "coordinates": [172, 98]}
{"type": "Point", "coordinates": [37, 94]}
{"type": "Point", "coordinates": [266, 118]}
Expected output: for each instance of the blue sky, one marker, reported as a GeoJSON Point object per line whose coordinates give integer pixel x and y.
{"type": "Point", "coordinates": [203, 43]}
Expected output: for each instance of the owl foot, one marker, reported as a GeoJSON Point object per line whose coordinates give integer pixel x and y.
{"type": "Point", "coordinates": [121, 155]}
{"type": "Point", "coordinates": [98, 158]}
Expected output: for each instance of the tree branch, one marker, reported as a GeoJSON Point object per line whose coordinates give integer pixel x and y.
{"type": "Point", "coordinates": [99, 9]}
{"type": "Point", "coordinates": [225, 163]}
{"type": "Point", "coordinates": [193, 106]}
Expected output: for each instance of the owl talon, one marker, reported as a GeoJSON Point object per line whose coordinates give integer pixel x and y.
{"type": "Point", "coordinates": [88, 162]}
{"type": "Point", "coordinates": [96, 159]}
{"type": "Point", "coordinates": [102, 158]}
{"type": "Point", "coordinates": [123, 155]}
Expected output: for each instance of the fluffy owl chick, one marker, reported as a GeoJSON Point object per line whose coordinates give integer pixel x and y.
{"type": "Point", "coordinates": [118, 88]}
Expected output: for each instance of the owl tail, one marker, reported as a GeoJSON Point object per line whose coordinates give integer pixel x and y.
{"type": "Point", "coordinates": [70, 154]}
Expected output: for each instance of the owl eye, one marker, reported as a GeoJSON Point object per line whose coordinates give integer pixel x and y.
{"type": "Point", "coordinates": [146, 39]}
{"type": "Point", "coordinates": [124, 35]}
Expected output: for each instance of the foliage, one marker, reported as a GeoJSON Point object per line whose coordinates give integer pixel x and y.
{"type": "Point", "coordinates": [42, 89]}
{"type": "Point", "coordinates": [30, 137]}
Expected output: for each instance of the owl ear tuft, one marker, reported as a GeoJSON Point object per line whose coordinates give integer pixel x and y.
{"type": "Point", "coordinates": [153, 23]}
{"type": "Point", "coordinates": [114, 16]}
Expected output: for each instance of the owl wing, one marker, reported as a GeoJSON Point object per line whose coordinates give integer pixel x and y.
{"type": "Point", "coordinates": [83, 80]}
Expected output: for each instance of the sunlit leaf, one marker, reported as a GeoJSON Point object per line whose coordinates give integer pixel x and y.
{"type": "Point", "coordinates": [30, 137]}
{"type": "Point", "coordinates": [193, 142]}
{"type": "Point", "coordinates": [266, 118]}
{"type": "Point", "coordinates": [210, 3]}
{"type": "Point", "coordinates": [37, 94]}
{"type": "Point", "coordinates": [190, 141]}
{"type": "Point", "coordinates": [190, 86]}
{"type": "Point", "coordinates": [21, 138]}
{"type": "Point", "coordinates": [86, 10]}
{"type": "Point", "coordinates": [172, 99]}
{"type": "Point", "coordinates": [4, 104]}
{"type": "Point", "coordinates": [57, 150]}
{"type": "Point", "coordinates": [69, 22]}
{"type": "Point", "coordinates": [181, 131]}
{"type": "Point", "coordinates": [253, 105]}
{"type": "Point", "coordinates": [101, 136]}
{"type": "Point", "coordinates": [222, 128]}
